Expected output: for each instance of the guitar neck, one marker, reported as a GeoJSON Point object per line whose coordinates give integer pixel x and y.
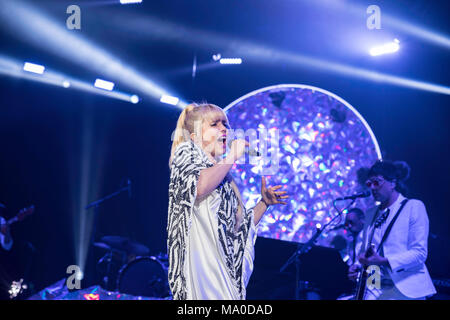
{"type": "Point", "coordinates": [362, 279]}
{"type": "Point", "coordinates": [21, 215]}
{"type": "Point", "coordinates": [12, 220]}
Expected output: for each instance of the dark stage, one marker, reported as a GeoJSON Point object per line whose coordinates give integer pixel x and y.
{"type": "Point", "coordinates": [94, 162]}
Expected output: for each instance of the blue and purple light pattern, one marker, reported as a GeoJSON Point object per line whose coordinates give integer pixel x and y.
{"type": "Point", "coordinates": [322, 142]}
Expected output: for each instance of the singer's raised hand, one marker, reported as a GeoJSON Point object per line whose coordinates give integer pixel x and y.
{"type": "Point", "coordinates": [271, 196]}
{"type": "Point", "coordinates": [237, 149]}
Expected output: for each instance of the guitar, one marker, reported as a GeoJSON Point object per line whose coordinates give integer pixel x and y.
{"type": "Point", "coordinates": [25, 212]}
{"type": "Point", "coordinates": [362, 277]}
{"type": "Point", "coordinates": [17, 287]}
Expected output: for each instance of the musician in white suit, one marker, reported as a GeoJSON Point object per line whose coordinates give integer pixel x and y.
{"type": "Point", "coordinates": [398, 230]}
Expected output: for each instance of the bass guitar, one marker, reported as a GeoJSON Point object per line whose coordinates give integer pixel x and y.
{"type": "Point", "coordinates": [361, 282]}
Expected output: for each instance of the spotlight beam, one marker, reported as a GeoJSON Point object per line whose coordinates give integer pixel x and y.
{"type": "Point", "coordinates": [157, 28]}
{"type": "Point", "coordinates": [11, 67]}
{"type": "Point", "coordinates": [415, 30]}
{"type": "Point", "coordinates": [34, 27]}
{"type": "Point", "coordinates": [419, 32]}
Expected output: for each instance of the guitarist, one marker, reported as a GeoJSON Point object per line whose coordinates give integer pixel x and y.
{"type": "Point", "coordinates": [6, 240]}
{"type": "Point", "coordinates": [5, 234]}
{"type": "Point", "coordinates": [395, 237]}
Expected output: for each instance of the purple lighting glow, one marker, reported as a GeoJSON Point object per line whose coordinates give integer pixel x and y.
{"type": "Point", "coordinates": [323, 141]}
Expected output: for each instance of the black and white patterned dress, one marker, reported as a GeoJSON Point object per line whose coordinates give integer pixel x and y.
{"type": "Point", "coordinates": [209, 256]}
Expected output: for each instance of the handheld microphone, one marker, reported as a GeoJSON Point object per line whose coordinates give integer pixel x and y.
{"type": "Point", "coordinates": [364, 194]}
{"type": "Point", "coordinates": [129, 188]}
{"type": "Point", "coordinates": [250, 152]}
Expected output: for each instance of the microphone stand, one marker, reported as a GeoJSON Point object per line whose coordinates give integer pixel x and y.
{"type": "Point", "coordinates": [96, 204]}
{"type": "Point", "coordinates": [100, 201]}
{"type": "Point", "coordinates": [303, 248]}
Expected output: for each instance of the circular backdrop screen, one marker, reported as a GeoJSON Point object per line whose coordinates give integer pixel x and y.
{"type": "Point", "coordinates": [312, 142]}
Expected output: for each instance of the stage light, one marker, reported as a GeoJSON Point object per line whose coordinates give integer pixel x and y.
{"type": "Point", "coordinates": [134, 99]}
{"type": "Point", "coordinates": [91, 296]}
{"type": "Point", "coordinates": [79, 275]}
{"type": "Point", "coordinates": [19, 17]}
{"type": "Point", "coordinates": [230, 60]}
{"type": "Point", "coordinates": [130, 1]}
{"type": "Point", "coordinates": [169, 100]}
{"type": "Point", "coordinates": [103, 84]}
{"type": "Point", "coordinates": [34, 68]}
{"type": "Point", "coordinates": [417, 31]}
{"type": "Point", "coordinates": [13, 68]}
{"type": "Point", "coordinates": [389, 47]}
{"type": "Point", "coordinates": [216, 57]}
{"type": "Point", "coordinates": [155, 27]}
{"type": "Point", "coordinates": [390, 22]}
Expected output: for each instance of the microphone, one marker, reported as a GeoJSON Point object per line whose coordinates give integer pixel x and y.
{"type": "Point", "coordinates": [250, 152]}
{"type": "Point", "coordinates": [364, 194]}
{"type": "Point", "coordinates": [129, 188]}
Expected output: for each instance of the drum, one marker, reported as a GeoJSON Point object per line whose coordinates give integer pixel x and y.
{"type": "Point", "coordinates": [144, 276]}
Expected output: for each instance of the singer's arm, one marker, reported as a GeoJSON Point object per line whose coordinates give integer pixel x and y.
{"type": "Point", "coordinates": [211, 177]}
{"type": "Point", "coordinates": [258, 211]}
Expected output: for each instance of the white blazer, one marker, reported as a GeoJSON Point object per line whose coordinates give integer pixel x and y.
{"type": "Point", "coordinates": [406, 247]}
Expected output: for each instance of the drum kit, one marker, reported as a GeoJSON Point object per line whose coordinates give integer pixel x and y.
{"type": "Point", "coordinates": [128, 268]}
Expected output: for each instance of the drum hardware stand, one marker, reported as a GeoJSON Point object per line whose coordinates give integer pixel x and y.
{"type": "Point", "coordinates": [96, 204]}
{"type": "Point", "coordinates": [108, 259]}
{"type": "Point", "coordinates": [303, 248]}
{"type": "Point", "coordinates": [106, 278]}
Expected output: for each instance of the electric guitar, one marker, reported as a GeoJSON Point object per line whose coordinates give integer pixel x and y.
{"type": "Point", "coordinates": [362, 277]}
{"type": "Point", "coordinates": [17, 287]}
{"type": "Point", "coordinates": [25, 212]}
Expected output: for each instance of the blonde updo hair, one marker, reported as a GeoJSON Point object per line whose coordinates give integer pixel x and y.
{"type": "Point", "coordinates": [190, 121]}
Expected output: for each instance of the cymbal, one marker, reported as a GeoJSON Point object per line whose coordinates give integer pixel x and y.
{"type": "Point", "coordinates": [102, 245]}
{"type": "Point", "coordinates": [125, 244]}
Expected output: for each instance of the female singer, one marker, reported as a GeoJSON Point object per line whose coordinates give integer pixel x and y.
{"type": "Point", "coordinates": [211, 235]}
